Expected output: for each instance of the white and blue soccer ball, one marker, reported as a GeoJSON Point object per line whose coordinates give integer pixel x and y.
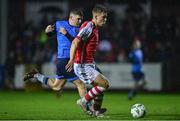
{"type": "Point", "coordinates": [138, 110]}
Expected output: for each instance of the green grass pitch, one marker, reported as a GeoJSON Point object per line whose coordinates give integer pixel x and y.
{"type": "Point", "coordinates": [44, 105]}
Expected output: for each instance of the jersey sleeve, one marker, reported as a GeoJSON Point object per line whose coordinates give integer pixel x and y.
{"type": "Point", "coordinates": [69, 37]}
{"type": "Point", "coordinates": [58, 25]}
{"type": "Point", "coordinates": [85, 31]}
{"type": "Point", "coordinates": [139, 55]}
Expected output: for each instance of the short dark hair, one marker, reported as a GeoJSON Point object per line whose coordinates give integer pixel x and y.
{"type": "Point", "coordinates": [99, 9]}
{"type": "Point", "coordinates": [77, 11]}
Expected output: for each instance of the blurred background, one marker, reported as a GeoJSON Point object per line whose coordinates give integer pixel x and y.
{"type": "Point", "coordinates": [156, 23]}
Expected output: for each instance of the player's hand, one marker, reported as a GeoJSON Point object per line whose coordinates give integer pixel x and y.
{"type": "Point", "coordinates": [69, 66]}
{"type": "Point", "coordinates": [49, 28]}
{"type": "Point", "coordinates": [63, 31]}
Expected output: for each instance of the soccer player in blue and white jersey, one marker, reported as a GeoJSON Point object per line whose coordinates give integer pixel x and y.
{"type": "Point", "coordinates": [64, 30]}
{"type": "Point", "coordinates": [136, 57]}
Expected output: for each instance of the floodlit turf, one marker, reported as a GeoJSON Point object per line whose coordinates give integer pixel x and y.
{"type": "Point", "coordinates": [45, 106]}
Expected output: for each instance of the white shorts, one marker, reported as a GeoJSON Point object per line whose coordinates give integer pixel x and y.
{"type": "Point", "coordinates": [86, 72]}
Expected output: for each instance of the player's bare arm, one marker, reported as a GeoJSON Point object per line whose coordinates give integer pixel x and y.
{"type": "Point", "coordinates": [74, 46]}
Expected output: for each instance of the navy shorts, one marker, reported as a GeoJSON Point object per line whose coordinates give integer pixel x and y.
{"type": "Point", "coordinates": [137, 75]}
{"type": "Point", "coordinates": [61, 71]}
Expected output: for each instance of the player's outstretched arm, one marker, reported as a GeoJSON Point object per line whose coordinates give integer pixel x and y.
{"type": "Point", "coordinates": [74, 46]}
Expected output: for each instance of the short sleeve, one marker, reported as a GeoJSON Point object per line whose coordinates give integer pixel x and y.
{"type": "Point", "coordinates": [85, 31]}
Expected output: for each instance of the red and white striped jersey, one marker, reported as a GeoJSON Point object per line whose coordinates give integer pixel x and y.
{"type": "Point", "coordinates": [89, 38]}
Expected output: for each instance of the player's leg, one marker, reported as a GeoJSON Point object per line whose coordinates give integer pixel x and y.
{"type": "Point", "coordinates": [139, 83]}
{"type": "Point", "coordinates": [56, 84]}
{"type": "Point", "coordinates": [80, 86]}
{"type": "Point", "coordinates": [34, 74]}
{"type": "Point", "coordinates": [64, 76]}
{"type": "Point", "coordinates": [82, 91]}
{"type": "Point", "coordinates": [97, 103]}
{"type": "Point", "coordinates": [133, 90]}
{"type": "Point", "coordinates": [53, 83]}
{"type": "Point", "coordinates": [100, 81]}
{"type": "Point", "coordinates": [87, 73]}
{"type": "Point", "coordinates": [100, 85]}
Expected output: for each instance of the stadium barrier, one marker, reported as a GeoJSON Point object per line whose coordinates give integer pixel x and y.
{"type": "Point", "coordinates": [119, 75]}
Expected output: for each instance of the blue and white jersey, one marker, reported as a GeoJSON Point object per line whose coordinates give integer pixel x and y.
{"type": "Point", "coordinates": [136, 57]}
{"type": "Point", "coordinates": [64, 44]}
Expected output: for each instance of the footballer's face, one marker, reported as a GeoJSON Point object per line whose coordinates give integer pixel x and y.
{"type": "Point", "coordinates": [137, 44]}
{"type": "Point", "coordinates": [76, 19]}
{"type": "Point", "coordinates": [101, 19]}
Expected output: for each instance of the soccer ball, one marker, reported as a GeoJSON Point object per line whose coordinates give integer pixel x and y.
{"type": "Point", "coordinates": [138, 110]}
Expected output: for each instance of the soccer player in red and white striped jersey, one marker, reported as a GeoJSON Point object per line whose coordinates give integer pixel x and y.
{"type": "Point", "coordinates": [82, 54]}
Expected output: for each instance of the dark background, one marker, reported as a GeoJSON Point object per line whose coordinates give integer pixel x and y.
{"type": "Point", "coordinates": [158, 28]}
